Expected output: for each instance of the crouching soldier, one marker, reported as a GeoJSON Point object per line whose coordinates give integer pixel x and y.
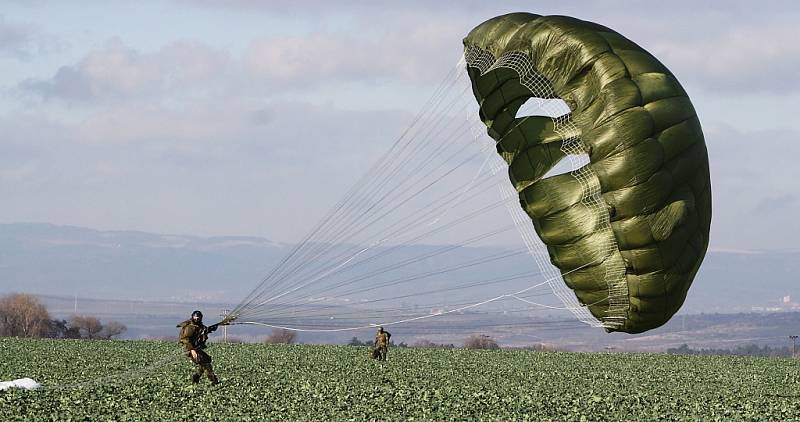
{"type": "Point", "coordinates": [193, 337]}
{"type": "Point", "coordinates": [381, 344]}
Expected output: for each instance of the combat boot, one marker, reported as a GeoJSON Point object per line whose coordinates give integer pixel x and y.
{"type": "Point", "coordinates": [195, 378]}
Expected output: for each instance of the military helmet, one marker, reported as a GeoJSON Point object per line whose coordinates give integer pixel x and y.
{"type": "Point", "coordinates": [197, 315]}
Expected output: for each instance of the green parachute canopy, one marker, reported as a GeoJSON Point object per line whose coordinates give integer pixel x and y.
{"type": "Point", "coordinates": [629, 229]}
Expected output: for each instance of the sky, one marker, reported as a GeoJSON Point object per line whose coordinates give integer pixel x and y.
{"type": "Point", "coordinates": [253, 118]}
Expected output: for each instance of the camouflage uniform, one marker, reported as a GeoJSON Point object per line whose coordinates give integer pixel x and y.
{"type": "Point", "coordinates": [193, 337]}
{"type": "Point", "coordinates": [382, 343]}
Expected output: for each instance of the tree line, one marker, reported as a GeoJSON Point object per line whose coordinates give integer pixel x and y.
{"type": "Point", "coordinates": [23, 315]}
{"type": "Point", "coordinates": [745, 350]}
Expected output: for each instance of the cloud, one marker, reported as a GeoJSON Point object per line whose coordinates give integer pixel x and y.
{"type": "Point", "coordinates": [17, 40]}
{"type": "Point", "coordinates": [733, 48]}
{"type": "Point", "coordinates": [22, 40]}
{"type": "Point", "coordinates": [776, 204]}
{"type": "Point", "coordinates": [185, 70]}
{"type": "Point", "coordinates": [754, 188]}
{"type": "Point", "coordinates": [117, 71]}
{"type": "Point", "coordinates": [322, 58]}
{"type": "Point", "coordinates": [740, 59]}
{"type": "Point", "coordinates": [207, 169]}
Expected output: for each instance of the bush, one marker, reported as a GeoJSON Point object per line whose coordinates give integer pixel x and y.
{"type": "Point", "coordinates": [22, 315]}
{"type": "Point", "coordinates": [356, 342]}
{"type": "Point", "coordinates": [427, 344]}
{"type": "Point", "coordinates": [281, 336]}
{"type": "Point", "coordinates": [540, 347]}
{"type": "Point", "coordinates": [481, 341]}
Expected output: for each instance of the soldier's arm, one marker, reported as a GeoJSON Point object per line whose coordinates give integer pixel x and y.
{"type": "Point", "coordinates": [186, 337]}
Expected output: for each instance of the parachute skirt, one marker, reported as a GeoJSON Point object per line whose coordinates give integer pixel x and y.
{"type": "Point", "coordinates": [628, 227]}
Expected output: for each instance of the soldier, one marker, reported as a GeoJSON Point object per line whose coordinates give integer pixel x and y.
{"type": "Point", "coordinates": [382, 343]}
{"type": "Point", "coordinates": [193, 338]}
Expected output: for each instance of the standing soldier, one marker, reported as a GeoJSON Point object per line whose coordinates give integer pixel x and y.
{"type": "Point", "coordinates": [193, 338]}
{"type": "Point", "coordinates": [382, 343]}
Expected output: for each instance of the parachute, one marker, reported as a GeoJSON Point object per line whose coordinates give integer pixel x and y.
{"type": "Point", "coordinates": [629, 229]}
{"type": "Point", "coordinates": [609, 191]}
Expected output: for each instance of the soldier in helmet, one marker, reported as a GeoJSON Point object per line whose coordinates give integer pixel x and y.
{"type": "Point", "coordinates": [382, 343]}
{"type": "Point", "coordinates": [193, 337]}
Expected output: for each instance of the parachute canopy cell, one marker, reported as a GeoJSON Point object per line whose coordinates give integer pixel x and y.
{"type": "Point", "coordinates": [629, 229]}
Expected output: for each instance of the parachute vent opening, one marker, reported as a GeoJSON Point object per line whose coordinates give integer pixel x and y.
{"type": "Point", "coordinates": [558, 110]}
{"type": "Point", "coordinates": [550, 107]}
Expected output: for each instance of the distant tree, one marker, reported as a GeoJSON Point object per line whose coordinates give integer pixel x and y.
{"type": "Point", "coordinates": [112, 329]}
{"type": "Point", "coordinates": [356, 342]}
{"type": "Point", "coordinates": [22, 315]}
{"type": "Point", "coordinates": [481, 341]}
{"type": "Point", "coordinates": [60, 328]}
{"type": "Point", "coordinates": [281, 336]}
{"type": "Point", "coordinates": [89, 326]}
{"type": "Point", "coordinates": [540, 347]}
{"type": "Point", "coordinates": [427, 344]}
{"type": "Point", "coordinates": [742, 350]}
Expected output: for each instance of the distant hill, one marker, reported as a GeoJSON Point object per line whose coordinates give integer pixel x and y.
{"type": "Point", "coordinates": [63, 260]}
{"type": "Point", "coordinates": [743, 281]}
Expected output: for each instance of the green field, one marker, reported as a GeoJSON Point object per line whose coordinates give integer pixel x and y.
{"type": "Point", "coordinates": [140, 380]}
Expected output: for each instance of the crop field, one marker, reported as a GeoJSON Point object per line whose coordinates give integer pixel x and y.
{"type": "Point", "coordinates": [142, 380]}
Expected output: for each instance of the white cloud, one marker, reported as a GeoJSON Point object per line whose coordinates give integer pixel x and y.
{"type": "Point", "coordinates": [119, 72]}
{"type": "Point", "coordinates": [17, 39]}
{"type": "Point", "coordinates": [185, 70]}
{"type": "Point", "coordinates": [420, 53]}
{"type": "Point", "coordinates": [222, 137]}
{"type": "Point", "coordinates": [754, 187]}
{"type": "Point", "coordinates": [739, 59]}
{"type": "Point", "coordinates": [214, 168]}
{"type": "Point", "coordinates": [23, 40]}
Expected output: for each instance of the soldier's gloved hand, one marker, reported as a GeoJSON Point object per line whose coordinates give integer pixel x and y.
{"type": "Point", "coordinates": [194, 355]}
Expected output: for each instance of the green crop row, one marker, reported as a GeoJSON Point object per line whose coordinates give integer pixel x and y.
{"type": "Point", "coordinates": [142, 380]}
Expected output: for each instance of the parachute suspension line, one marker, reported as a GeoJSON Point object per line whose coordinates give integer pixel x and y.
{"type": "Point", "coordinates": [406, 320]}
{"type": "Point", "coordinates": [573, 148]}
{"type": "Point", "coordinates": [372, 218]}
{"type": "Point", "coordinates": [364, 249]}
{"type": "Point", "coordinates": [401, 280]}
{"type": "Point", "coordinates": [402, 263]}
{"type": "Point", "coordinates": [445, 84]}
{"type": "Point", "coordinates": [344, 227]}
{"type": "Point", "coordinates": [386, 269]}
{"type": "Point", "coordinates": [408, 261]}
{"type": "Point", "coordinates": [538, 251]}
{"type": "Point", "coordinates": [354, 236]}
{"type": "Point", "coordinates": [395, 169]}
{"type": "Point", "coordinates": [553, 307]}
{"type": "Point", "coordinates": [322, 309]}
{"type": "Point", "coordinates": [399, 230]}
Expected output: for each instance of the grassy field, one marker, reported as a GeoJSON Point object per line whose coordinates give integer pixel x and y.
{"type": "Point", "coordinates": [139, 380]}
